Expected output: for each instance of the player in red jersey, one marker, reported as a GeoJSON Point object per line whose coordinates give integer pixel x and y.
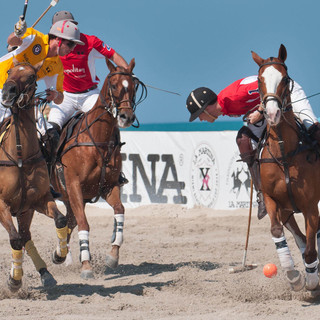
{"type": "Point", "coordinates": [240, 98]}
{"type": "Point", "coordinates": [80, 83]}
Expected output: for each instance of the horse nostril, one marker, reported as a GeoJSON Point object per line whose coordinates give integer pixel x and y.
{"type": "Point", "coordinates": [123, 116]}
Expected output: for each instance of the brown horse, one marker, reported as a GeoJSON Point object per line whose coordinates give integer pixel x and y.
{"type": "Point", "coordinates": [24, 176]}
{"type": "Point", "coordinates": [290, 171]}
{"type": "Point", "coordinates": [91, 160]}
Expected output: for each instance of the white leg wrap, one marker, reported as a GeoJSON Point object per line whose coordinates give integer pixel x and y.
{"type": "Point", "coordinates": [318, 242]}
{"type": "Point", "coordinates": [117, 236]}
{"type": "Point", "coordinates": [312, 277]}
{"type": "Point", "coordinates": [84, 245]}
{"type": "Point", "coordinates": [284, 254]}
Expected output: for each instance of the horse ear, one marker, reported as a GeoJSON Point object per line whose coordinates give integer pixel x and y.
{"type": "Point", "coordinates": [38, 65]}
{"type": "Point", "coordinates": [110, 65]}
{"type": "Point", "coordinates": [131, 65]}
{"type": "Point", "coordinates": [282, 53]}
{"type": "Point", "coordinates": [258, 60]}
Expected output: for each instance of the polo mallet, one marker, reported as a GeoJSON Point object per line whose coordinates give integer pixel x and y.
{"type": "Point", "coordinates": [178, 94]}
{"type": "Point", "coordinates": [24, 10]}
{"type": "Point", "coordinates": [245, 266]}
{"type": "Point", "coordinates": [52, 4]}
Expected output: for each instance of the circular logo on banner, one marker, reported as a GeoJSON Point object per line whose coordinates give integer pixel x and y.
{"type": "Point", "coordinates": [37, 49]}
{"type": "Point", "coordinates": [238, 183]}
{"type": "Point", "coordinates": [204, 176]}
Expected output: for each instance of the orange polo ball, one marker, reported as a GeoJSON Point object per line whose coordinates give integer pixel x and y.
{"type": "Point", "coordinates": [270, 270]}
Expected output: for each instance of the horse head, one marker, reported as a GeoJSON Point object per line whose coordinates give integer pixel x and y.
{"type": "Point", "coordinates": [20, 86]}
{"type": "Point", "coordinates": [274, 85]}
{"type": "Point", "coordinates": [119, 93]}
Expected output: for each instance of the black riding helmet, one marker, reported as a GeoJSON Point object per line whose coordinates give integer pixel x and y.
{"type": "Point", "coordinates": [198, 100]}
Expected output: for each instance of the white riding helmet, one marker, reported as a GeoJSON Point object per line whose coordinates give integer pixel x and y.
{"type": "Point", "coordinates": [65, 29]}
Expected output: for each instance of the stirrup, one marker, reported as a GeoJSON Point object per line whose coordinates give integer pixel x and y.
{"type": "Point", "coordinates": [122, 179]}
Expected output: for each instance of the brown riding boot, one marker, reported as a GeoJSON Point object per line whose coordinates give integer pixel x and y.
{"type": "Point", "coordinates": [255, 176]}
{"type": "Point", "coordinates": [247, 154]}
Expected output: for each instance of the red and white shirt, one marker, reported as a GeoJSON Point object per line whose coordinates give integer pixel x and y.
{"type": "Point", "coordinates": [240, 97]}
{"type": "Point", "coordinates": [79, 65]}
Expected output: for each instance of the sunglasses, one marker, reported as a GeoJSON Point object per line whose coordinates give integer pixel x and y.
{"type": "Point", "coordinates": [70, 43]}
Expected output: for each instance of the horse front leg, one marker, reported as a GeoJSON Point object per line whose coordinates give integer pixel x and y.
{"type": "Point", "coordinates": [78, 208]}
{"type": "Point", "coordinates": [295, 278]}
{"type": "Point", "coordinates": [299, 237]}
{"type": "Point", "coordinates": [60, 253]}
{"type": "Point", "coordinates": [311, 260]}
{"type": "Point", "coordinates": [16, 272]}
{"type": "Point", "coordinates": [24, 223]}
{"type": "Point", "coordinates": [113, 199]}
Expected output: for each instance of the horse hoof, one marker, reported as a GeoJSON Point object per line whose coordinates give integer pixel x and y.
{"type": "Point", "coordinates": [47, 280]}
{"type": "Point", "coordinates": [87, 274]}
{"type": "Point", "coordinates": [296, 279]}
{"type": "Point", "coordinates": [111, 262]}
{"type": "Point", "coordinates": [312, 281]}
{"type": "Point", "coordinates": [57, 259]}
{"type": "Point", "coordinates": [14, 285]}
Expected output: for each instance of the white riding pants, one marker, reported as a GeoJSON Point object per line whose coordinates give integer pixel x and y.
{"type": "Point", "coordinates": [72, 103]}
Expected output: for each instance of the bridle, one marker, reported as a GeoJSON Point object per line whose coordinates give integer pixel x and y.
{"type": "Point", "coordinates": [282, 101]}
{"type": "Point", "coordinates": [115, 103]}
{"type": "Point", "coordinates": [23, 98]}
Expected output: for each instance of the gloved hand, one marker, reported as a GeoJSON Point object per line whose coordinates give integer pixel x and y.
{"type": "Point", "coordinates": [20, 27]}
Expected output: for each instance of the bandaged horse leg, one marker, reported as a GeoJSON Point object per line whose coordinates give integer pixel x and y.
{"type": "Point", "coordinates": [59, 255]}
{"type": "Point", "coordinates": [312, 276]}
{"type": "Point", "coordinates": [85, 257]}
{"type": "Point", "coordinates": [46, 277]}
{"type": "Point", "coordinates": [16, 272]}
{"type": "Point", "coordinates": [295, 278]}
{"type": "Point", "coordinates": [247, 154]}
{"type": "Point", "coordinates": [112, 259]}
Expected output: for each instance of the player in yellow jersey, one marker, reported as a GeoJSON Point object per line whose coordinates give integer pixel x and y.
{"type": "Point", "coordinates": [34, 47]}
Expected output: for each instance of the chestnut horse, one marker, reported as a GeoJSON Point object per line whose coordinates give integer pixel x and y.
{"type": "Point", "coordinates": [290, 172]}
{"type": "Point", "coordinates": [24, 176]}
{"type": "Point", "coordinates": [89, 160]}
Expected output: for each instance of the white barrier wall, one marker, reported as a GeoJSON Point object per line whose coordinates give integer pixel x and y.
{"type": "Point", "coordinates": [188, 168]}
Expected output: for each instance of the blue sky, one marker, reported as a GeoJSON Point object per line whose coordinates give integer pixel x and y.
{"type": "Point", "coordinates": [180, 45]}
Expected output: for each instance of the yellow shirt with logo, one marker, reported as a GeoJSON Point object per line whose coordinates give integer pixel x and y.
{"type": "Point", "coordinates": [34, 49]}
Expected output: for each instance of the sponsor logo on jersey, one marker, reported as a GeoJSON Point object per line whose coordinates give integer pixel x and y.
{"type": "Point", "coordinates": [204, 176]}
{"type": "Point", "coordinates": [253, 91]}
{"type": "Point", "coordinates": [37, 49]}
{"type": "Point", "coordinates": [106, 46]}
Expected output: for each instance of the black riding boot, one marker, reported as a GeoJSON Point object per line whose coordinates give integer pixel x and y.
{"type": "Point", "coordinates": [53, 136]}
